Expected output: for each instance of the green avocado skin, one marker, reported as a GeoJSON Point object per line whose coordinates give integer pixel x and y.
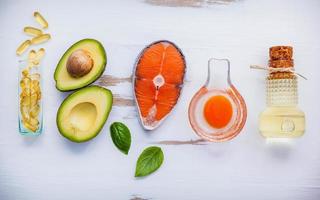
{"type": "Point", "coordinates": [91, 135]}
{"type": "Point", "coordinates": [103, 54]}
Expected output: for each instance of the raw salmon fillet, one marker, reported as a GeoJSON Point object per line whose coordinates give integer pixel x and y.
{"type": "Point", "coordinates": [158, 79]}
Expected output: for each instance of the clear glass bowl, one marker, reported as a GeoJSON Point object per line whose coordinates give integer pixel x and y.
{"type": "Point", "coordinates": [30, 99]}
{"type": "Point", "coordinates": [218, 84]}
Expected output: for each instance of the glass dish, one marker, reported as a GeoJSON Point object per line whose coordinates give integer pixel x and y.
{"type": "Point", "coordinates": [218, 84]}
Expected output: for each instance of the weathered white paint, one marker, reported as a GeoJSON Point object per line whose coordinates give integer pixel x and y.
{"type": "Point", "coordinates": [50, 167]}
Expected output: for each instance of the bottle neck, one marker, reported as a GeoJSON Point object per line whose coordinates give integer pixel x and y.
{"type": "Point", "coordinates": [218, 74]}
{"type": "Point", "coordinates": [282, 92]}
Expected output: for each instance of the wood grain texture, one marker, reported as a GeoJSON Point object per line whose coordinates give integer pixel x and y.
{"type": "Point", "coordinates": [137, 197]}
{"type": "Point", "coordinates": [118, 100]}
{"type": "Point", "coordinates": [187, 3]}
{"type": "Point", "coordinates": [176, 142]}
{"type": "Point", "coordinates": [108, 80]}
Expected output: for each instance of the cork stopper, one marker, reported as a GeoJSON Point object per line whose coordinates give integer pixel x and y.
{"type": "Point", "coordinates": [280, 53]}
{"type": "Point", "coordinates": [281, 57]}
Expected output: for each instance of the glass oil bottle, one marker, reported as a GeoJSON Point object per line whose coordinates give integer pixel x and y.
{"type": "Point", "coordinates": [282, 118]}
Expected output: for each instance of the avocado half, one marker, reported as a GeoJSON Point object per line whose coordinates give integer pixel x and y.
{"type": "Point", "coordinates": [82, 114]}
{"type": "Point", "coordinates": [65, 82]}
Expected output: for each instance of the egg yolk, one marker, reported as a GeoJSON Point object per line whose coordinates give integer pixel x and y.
{"type": "Point", "coordinates": [218, 111]}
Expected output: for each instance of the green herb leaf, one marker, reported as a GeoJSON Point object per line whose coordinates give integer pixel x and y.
{"type": "Point", "coordinates": [121, 136]}
{"type": "Point", "coordinates": [149, 161]}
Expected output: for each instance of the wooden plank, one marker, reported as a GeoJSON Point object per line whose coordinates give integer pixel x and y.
{"type": "Point", "coordinates": [188, 3]}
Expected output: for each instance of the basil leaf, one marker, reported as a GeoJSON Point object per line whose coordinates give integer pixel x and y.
{"type": "Point", "coordinates": [149, 161]}
{"type": "Point", "coordinates": [121, 136]}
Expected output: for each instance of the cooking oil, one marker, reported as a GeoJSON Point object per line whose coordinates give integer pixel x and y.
{"type": "Point", "coordinates": [282, 118]}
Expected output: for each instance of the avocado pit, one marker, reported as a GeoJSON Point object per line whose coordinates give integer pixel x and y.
{"type": "Point", "coordinates": [79, 63]}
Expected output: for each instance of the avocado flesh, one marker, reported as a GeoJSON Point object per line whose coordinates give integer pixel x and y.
{"type": "Point", "coordinates": [65, 82]}
{"type": "Point", "coordinates": [82, 114]}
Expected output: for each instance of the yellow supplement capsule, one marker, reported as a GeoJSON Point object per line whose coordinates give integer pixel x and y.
{"type": "Point", "coordinates": [22, 84]}
{"type": "Point", "coordinates": [32, 31]}
{"type": "Point", "coordinates": [33, 99]}
{"type": "Point", "coordinates": [25, 73]}
{"type": "Point", "coordinates": [39, 95]}
{"type": "Point", "coordinates": [25, 82]}
{"type": "Point", "coordinates": [34, 91]}
{"type": "Point", "coordinates": [25, 101]}
{"type": "Point", "coordinates": [40, 19]}
{"type": "Point", "coordinates": [27, 92]}
{"type": "Point", "coordinates": [32, 55]}
{"type": "Point", "coordinates": [25, 117]}
{"type": "Point", "coordinates": [40, 53]}
{"type": "Point", "coordinates": [40, 39]}
{"type": "Point", "coordinates": [35, 110]}
{"type": "Point", "coordinates": [29, 126]}
{"type": "Point", "coordinates": [23, 47]}
{"type": "Point", "coordinates": [24, 112]}
{"type": "Point", "coordinates": [34, 122]}
{"type": "Point", "coordinates": [39, 56]}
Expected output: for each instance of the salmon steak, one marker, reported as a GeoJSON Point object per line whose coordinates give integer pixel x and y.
{"type": "Point", "coordinates": [158, 80]}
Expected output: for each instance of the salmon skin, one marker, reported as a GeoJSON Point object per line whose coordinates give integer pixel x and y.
{"type": "Point", "coordinates": [157, 80]}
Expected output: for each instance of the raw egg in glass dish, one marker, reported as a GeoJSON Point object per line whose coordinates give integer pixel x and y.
{"type": "Point", "coordinates": [217, 112]}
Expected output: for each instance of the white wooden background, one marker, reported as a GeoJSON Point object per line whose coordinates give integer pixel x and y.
{"type": "Point", "coordinates": [248, 167]}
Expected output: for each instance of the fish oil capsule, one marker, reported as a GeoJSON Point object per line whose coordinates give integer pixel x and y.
{"type": "Point", "coordinates": [23, 47]}
{"type": "Point", "coordinates": [32, 31]}
{"type": "Point", "coordinates": [22, 84]}
{"type": "Point", "coordinates": [35, 110]}
{"type": "Point", "coordinates": [35, 90]}
{"type": "Point", "coordinates": [29, 126]}
{"type": "Point", "coordinates": [40, 19]}
{"type": "Point", "coordinates": [40, 39]}
{"type": "Point", "coordinates": [34, 86]}
{"type": "Point", "coordinates": [33, 99]}
{"type": "Point", "coordinates": [26, 92]}
{"type": "Point", "coordinates": [40, 53]}
{"type": "Point", "coordinates": [24, 112]}
{"type": "Point", "coordinates": [34, 122]}
{"type": "Point", "coordinates": [25, 117]}
{"type": "Point", "coordinates": [25, 101]}
{"type": "Point", "coordinates": [32, 55]}
{"type": "Point", "coordinates": [25, 82]}
{"type": "Point", "coordinates": [39, 95]}
{"type": "Point", "coordinates": [39, 56]}
{"type": "Point", "coordinates": [25, 73]}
